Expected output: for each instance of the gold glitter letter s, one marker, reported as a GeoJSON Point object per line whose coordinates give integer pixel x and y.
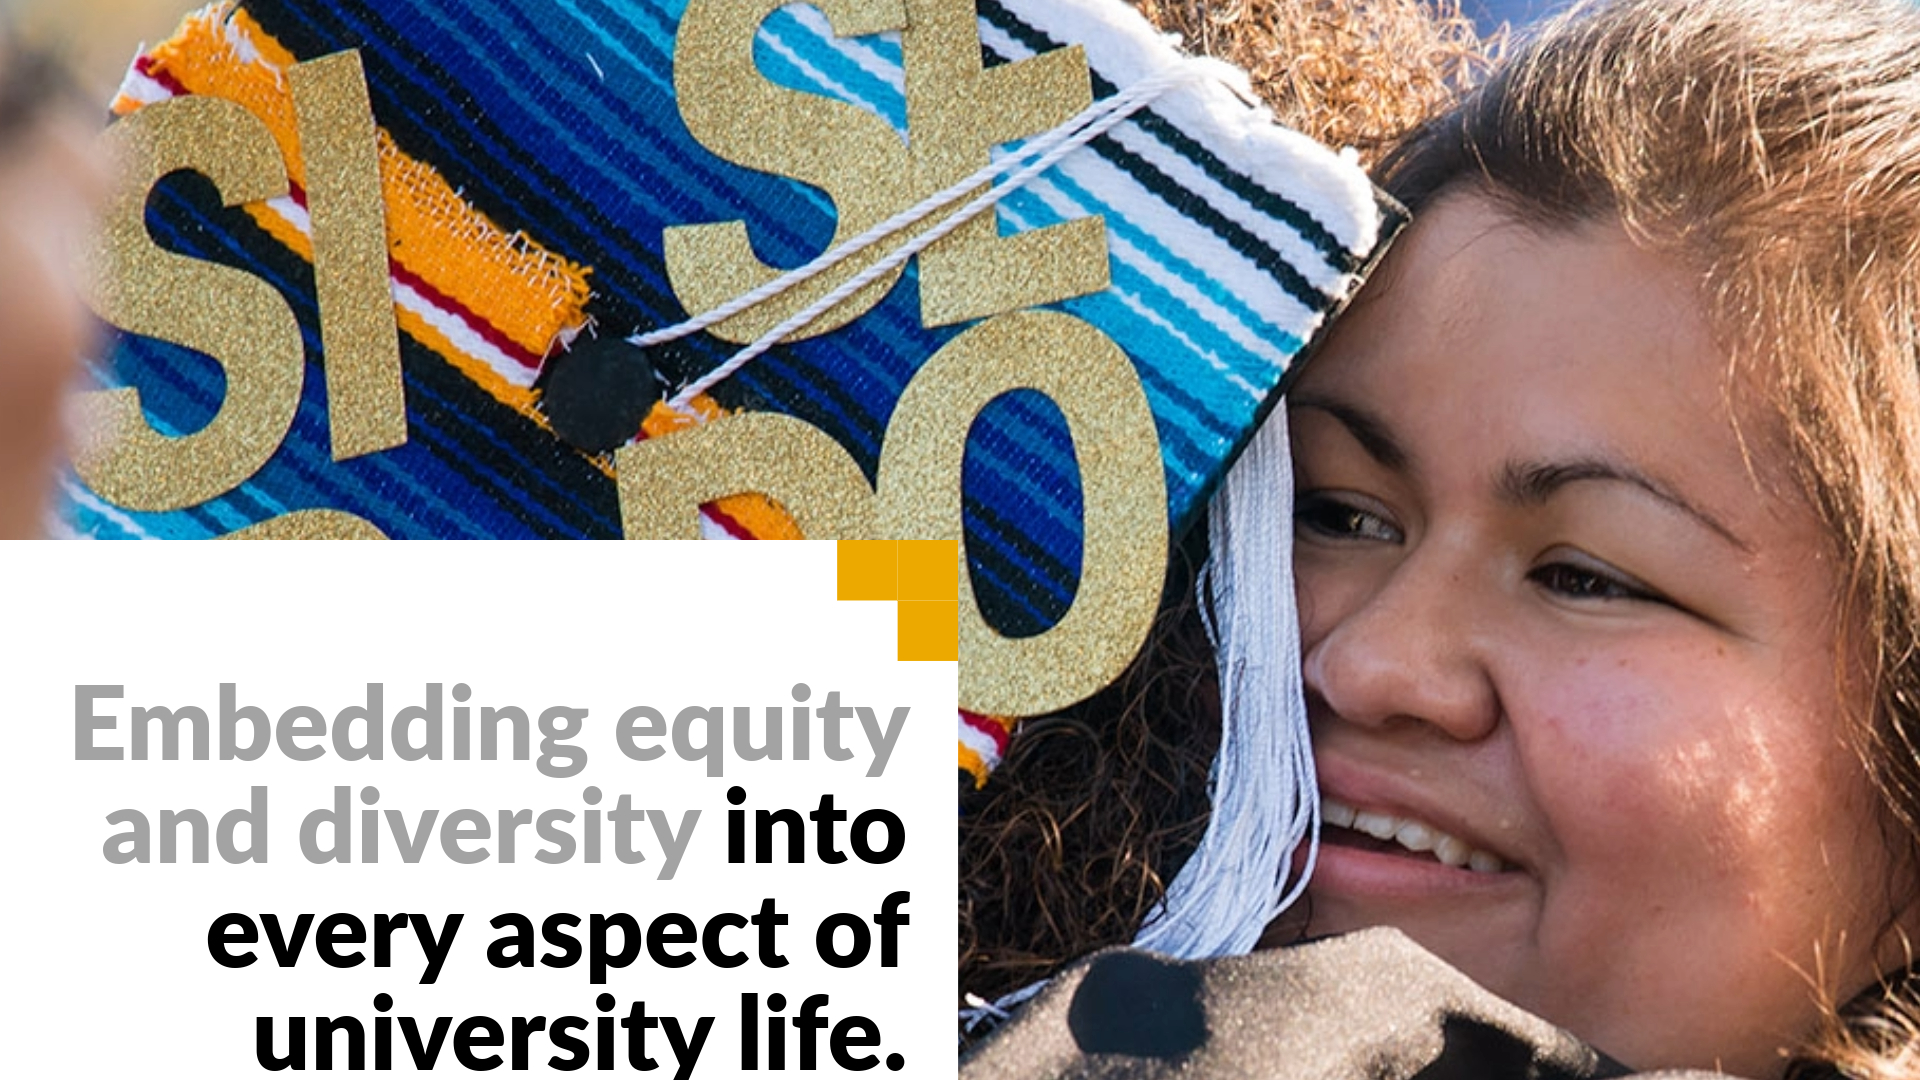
{"type": "Point", "coordinates": [734, 111]}
{"type": "Point", "coordinates": [234, 317]}
{"type": "Point", "coordinates": [1123, 487]}
{"type": "Point", "coordinates": [366, 404]}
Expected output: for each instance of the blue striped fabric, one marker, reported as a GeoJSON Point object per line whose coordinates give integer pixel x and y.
{"type": "Point", "coordinates": [556, 118]}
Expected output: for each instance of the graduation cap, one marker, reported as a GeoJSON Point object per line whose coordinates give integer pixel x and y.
{"type": "Point", "coordinates": [1010, 272]}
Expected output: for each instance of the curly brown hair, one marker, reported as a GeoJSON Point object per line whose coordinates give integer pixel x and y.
{"type": "Point", "coordinates": [1350, 73]}
{"type": "Point", "coordinates": [1071, 842]}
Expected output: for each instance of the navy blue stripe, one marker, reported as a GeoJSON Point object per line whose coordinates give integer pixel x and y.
{"type": "Point", "coordinates": [1262, 199]}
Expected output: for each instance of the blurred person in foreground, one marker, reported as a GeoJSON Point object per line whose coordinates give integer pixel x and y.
{"type": "Point", "coordinates": [49, 183]}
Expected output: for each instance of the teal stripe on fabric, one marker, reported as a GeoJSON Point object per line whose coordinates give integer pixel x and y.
{"type": "Point", "coordinates": [1272, 341]}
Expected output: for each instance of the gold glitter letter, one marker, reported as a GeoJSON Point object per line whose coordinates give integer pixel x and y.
{"type": "Point", "coordinates": [1123, 489]}
{"type": "Point", "coordinates": [734, 111]}
{"type": "Point", "coordinates": [366, 404]}
{"type": "Point", "coordinates": [234, 317]}
{"type": "Point", "coordinates": [957, 112]}
{"type": "Point", "coordinates": [664, 480]}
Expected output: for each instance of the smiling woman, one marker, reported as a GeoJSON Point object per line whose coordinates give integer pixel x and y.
{"type": "Point", "coordinates": [1671, 257]}
{"type": "Point", "coordinates": [1568, 635]}
{"type": "Point", "coordinates": [1607, 542]}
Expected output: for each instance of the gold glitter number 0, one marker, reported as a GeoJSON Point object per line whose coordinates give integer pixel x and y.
{"type": "Point", "coordinates": [1123, 493]}
{"type": "Point", "coordinates": [663, 481]}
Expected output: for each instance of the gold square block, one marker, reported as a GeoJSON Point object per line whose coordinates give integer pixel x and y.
{"type": "Point", "coordinates": [869, 570]}
{"type": "Point", "coordinates": [929, 629]}
{"type": "Point", "coordinates": [929, 569]}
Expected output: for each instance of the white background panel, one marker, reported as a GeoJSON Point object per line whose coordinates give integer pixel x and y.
{"type": "Point", "coordinates": [109, 972]}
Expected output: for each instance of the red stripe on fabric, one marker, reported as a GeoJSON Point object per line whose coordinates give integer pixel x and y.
{"type": "Point", "coordinates": [445, 303]}
{"type": "Point", "coordinates": [725, 521]}
{"type": "Point", "coordinates": [454, 307]}
{"type": "Point", "coordinates": [487, 331]}
{"type": "Point", "coordinates": [147, 66]}
{"type": "Point", "coordinates": [988, 726]}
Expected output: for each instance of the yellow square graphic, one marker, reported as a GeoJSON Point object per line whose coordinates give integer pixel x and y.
{"type": "Point", "coordinates": [869, 570]}
{"type": "Point", "coordinates": [929, 569]}
{"type": "Point", "coordinates": [929, 629]}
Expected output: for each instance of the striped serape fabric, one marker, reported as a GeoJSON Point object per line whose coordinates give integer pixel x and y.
{"type": "Point", "coordinates": [533, 156]}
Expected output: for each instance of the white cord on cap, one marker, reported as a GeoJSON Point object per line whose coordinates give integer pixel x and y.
{"type": "Point", "coordinates": [1039, 153]}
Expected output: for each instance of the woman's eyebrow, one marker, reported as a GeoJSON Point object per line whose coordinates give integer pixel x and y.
{"type": "Point", "coordinates": [1533, 483]}
{"type": "Point", "coordinates": [1367, 429]}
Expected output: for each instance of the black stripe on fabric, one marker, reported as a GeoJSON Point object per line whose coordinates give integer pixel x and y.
{"type": "Point", "coordinates": [1047, 608]}
{"type": "Point", "coordinates": [1198, 210]}
{"type": "Point", "coordinates": [1027, 613]}
{"type": "Point", "coordinates": [586, 501]}
{"type": "Point", "coordinates": [1201, 212]}
{"type": "Point", "coordinates": [1262, 199]}
{"type": "Point", "coordinates": [1050, 567]}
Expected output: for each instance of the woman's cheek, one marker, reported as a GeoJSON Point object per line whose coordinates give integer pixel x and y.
{"type": "Point", "coordinates": [1623, 747]}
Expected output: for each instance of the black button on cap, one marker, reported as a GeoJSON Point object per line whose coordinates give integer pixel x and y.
{"type": "Point", "coordinates": [1136, 1004]}
{"type": "Point", "coordinates": [598, 392]}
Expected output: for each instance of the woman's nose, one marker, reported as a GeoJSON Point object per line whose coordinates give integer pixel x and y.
{"type": "Point", "coordinates": [1405, 652]}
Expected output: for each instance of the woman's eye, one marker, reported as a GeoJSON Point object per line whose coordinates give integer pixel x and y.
{"type": "Point", "coordinates": [1336, 519]}
{"type": "Point", "coordinates": [1586, 583]}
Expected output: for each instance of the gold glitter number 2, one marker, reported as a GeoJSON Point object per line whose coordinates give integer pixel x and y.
{"type": "Point", "coordinates": [238, 319]}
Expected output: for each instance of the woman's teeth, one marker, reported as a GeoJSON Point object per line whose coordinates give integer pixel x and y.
{"type": "Point", "coordinates": [1412, 835]}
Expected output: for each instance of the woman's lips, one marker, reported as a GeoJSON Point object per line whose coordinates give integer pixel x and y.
{"type": "Point", "coordinates": [1368, 852]}
{"type": "Point", "coordinates": [1410, 834]}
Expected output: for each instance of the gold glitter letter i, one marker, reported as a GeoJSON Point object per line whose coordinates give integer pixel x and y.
{"type": "Point", "coordinates": [366, 403]}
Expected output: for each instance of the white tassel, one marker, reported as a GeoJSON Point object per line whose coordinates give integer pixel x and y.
{"type": "Point", "coordinates": [1265, 796]}
{"type": "Point", "coordinates": [1266, 800]}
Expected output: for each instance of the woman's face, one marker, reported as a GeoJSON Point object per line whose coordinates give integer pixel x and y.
{"type": "Point", "coordinates": [1570, 644]}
